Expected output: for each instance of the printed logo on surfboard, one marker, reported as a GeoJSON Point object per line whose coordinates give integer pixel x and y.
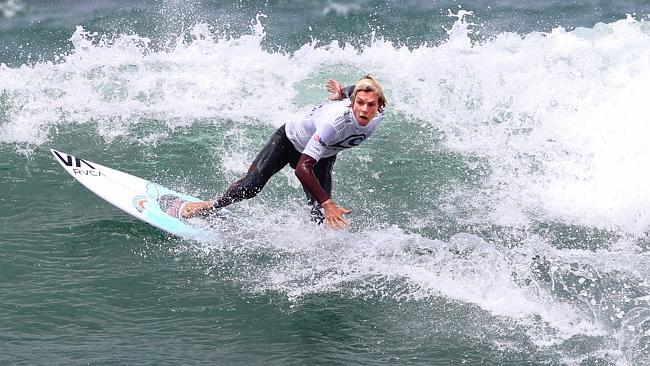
{"type": "Point", "coordinates": [140, 203]}
{"type": "Point", "coordinates": [76, 164]}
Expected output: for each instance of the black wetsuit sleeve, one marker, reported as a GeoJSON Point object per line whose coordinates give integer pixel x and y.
{"type": "Point", "coordinates": [305, 174]}
{"type": "Point", "coordinates": [348, 90]}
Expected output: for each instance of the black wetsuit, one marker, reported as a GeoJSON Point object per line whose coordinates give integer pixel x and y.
{"type": "Point", "coordinates": [277, 153]}
{"type": "Point", "coordinates": [313, 170]}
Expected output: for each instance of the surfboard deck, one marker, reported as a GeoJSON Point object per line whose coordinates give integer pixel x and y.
{"type": "Point", "coordinates": [145, 200]}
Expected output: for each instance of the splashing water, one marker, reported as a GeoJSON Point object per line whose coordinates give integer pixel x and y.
{"type": "Point", "coordinates": [550, 126]}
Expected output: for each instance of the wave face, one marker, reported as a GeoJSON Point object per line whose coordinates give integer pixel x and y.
{"type": "Point", "coordinates": [503, 203]}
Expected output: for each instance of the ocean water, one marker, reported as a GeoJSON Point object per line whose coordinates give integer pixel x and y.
{"type": "Point", "coordinates": [500, 213]}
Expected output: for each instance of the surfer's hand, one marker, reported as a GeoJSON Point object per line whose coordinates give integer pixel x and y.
{"type": "Point", "coordinates": [334, 215]}
{"type": "Point", "coordinates": [335, 90]}
{"type": "Point", "coordinates": [191, 209]}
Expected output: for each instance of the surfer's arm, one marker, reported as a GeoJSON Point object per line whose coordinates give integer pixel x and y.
{"type": "Point", "coordinates": [314, 150]}
{"type": "Point", "coordinates": [333, 213]}
{"type": "Point", "coordinates": [305, 174]}
{"type": "Point", "coordinates": [337, 91]}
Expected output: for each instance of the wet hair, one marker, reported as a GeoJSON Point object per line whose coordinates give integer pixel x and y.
{"type": "Point", "coordinates": [370, 84]}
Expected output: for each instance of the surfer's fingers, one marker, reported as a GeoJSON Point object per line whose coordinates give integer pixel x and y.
{"type": "Point", "coordinates": [344, 221]}
{"type": "Point", "coordinates": [337, 223]}
{"type": "Point", "coordinates": [334, 88]}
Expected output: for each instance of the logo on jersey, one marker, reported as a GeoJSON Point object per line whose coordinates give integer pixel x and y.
{"type": "Point", "coordinates": [351, 141]}
{"type": "Point", "coordinates": [318, 139]}
{"type": "Point", "coordinates": [345, 118]}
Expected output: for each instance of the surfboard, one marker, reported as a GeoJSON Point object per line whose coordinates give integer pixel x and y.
{"type": "Point", "coordinates": [145, 200]}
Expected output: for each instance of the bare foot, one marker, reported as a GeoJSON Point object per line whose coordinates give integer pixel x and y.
{"type": "Point", "coordinates": [191, 209]}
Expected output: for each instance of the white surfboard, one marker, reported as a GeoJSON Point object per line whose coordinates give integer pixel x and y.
{"type": "Point", "coordinates": [140, 198]}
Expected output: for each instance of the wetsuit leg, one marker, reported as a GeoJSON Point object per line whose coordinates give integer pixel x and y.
{"type": "Point", "coordinates": [323, 172]}
{"type": "Point", "coordinates": [277, 153]}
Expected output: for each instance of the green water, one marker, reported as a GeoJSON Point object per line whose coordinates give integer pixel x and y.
{"type": "Point", "coordinates": [499, 212]}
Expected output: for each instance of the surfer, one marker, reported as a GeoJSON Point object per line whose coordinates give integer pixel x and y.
{"type": "Point", "coordinates": [310, 145]}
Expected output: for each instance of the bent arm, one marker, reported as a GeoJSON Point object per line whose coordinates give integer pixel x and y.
{"type": "Point", "coordinates": [347, 91]}
{"type": "Point", "coordinates": [337, 91]}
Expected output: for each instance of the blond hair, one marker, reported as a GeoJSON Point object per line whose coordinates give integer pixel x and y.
{"type": "Point", "coordinates": [370, 84]}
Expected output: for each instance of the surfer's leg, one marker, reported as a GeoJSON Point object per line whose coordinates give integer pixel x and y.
{"type": "Point", "coordinates": [277, 153]}
{"type": "Point", "coordinates": [323, 172]}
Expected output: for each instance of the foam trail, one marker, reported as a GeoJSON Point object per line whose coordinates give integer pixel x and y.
{"type": "Point", "coordinates": [550, 296]}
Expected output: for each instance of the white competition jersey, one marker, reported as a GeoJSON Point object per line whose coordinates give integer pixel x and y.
{"type": "Point", "coordinates": [328, 129]}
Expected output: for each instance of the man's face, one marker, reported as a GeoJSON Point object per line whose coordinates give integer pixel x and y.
{"type": "Point", "coordinates": [365, 107]}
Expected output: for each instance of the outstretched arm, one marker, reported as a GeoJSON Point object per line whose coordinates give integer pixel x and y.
{"type": "Point", "coordinates": [333, 213]}
{"type": "Point", "coordinates": [337, 91]}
